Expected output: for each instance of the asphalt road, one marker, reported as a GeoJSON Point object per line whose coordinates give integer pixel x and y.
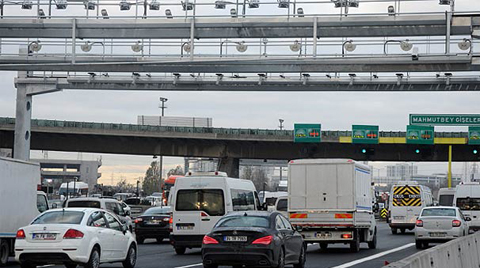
{"type": "Point", "coordinates": [390, 248]}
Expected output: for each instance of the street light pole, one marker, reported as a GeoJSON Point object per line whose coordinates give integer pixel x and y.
{"type": "Point", "coordinates": [160, 160]}
{"type": "Point", "coordinates": [281, 123]}
{"type": "Point", "coordinates": [163, 107]}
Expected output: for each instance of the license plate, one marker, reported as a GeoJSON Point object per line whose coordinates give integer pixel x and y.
{"type": "Point", "coordinates": [235, 239]}
{"type": "Point", "coordinates": [44, 236]}
{"type": "Point", "coordinates": [184, 227]}
{"type": "Point", "coordinates": [153, 222]}
{"type": "Point", "coordinates": [323, 235]}
{"type": "Point", "coordinates": [398, 217]}
{"type": "Point", "coordinates": [438, 234]}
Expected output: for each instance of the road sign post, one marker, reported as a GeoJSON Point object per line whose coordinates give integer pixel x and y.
{"type": "Point", "coordinates": [307, 133]}
{"type": "Point", "coordinates": [363, 134]}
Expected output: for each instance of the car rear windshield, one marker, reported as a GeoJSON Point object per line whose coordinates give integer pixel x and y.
{"type": "Point", "coordinates": [157, 211]}
{"type": "Point", "coordinates": [468, 203]}
{"type": "Point", "coordinates": [209, 200]}
{"type": "Point", "coordinates": [83, 204]}
{"type": "Point", "coordinates": [60, 217]}
{"type": "Point", "coordinates": [282, 205]}
{"type": "Point", "coordinates": [450, 212]}
{"type": "Point", "coordinates": [445, 200]}
{"type": "Point", "coordinates": [244, 221]}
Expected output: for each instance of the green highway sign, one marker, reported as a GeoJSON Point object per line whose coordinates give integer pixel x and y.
{"type": "Point", "coordinates": [307, 133]}
{"type": "Point", "coordinates": [445, 119]}
{"type": "Point", "coordinates": [365, 134]}
{"type": "Point", "coordinates": [474, 135]}
{"type": "Point", "coordinates": [420, 135]}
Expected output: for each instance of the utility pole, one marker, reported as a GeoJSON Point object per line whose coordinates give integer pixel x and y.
{"type": "Point", "coordinates": [281, 123]}
{"type": "Point", "coordinates": [160, 160]}
{"type": "Point", "coordinates": [162, 106]}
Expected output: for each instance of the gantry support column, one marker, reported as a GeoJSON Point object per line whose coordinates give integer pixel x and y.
{"type": "Point", "coordinates": [230, 165]}
{"type": "Point", "coordinates": [23, 117]}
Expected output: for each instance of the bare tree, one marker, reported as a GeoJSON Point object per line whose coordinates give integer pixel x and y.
{"type": "Point", "coordinates": [151, 182]}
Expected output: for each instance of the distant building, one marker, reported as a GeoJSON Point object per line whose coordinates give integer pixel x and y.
{"type": "Point", "coordinates": [59, 171]}
{"type": "Point", "coordinates": [174, 121]}
{"type": "Point", "coordinates": [402, 171]}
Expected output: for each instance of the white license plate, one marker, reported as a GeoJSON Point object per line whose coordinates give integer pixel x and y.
{"type": "Point", "coordinates": [184, 227]}
{"type": "Point", "coordinates": [398, 217]}
{"type": "Point", "coordinates": [323, 235]}
{"type": "Point", "coordinates": [235, 239]}
{"type": "Point", "coordinates": [44, 236]}
{"type": "Point", "coordinates": [153, 222]}
{"type": "Point", "coordinates": [438, 234]}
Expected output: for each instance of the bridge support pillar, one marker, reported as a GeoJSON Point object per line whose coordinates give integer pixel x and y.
{"type": "Point", "coordinates": [230, 165]}
{"type": "Point", "coordinates": [23, 116]}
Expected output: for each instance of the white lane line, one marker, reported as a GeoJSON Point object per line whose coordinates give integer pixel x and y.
{"type": "Point", "coordinates": [191, 265]}
{"type": "Point", "coordinates": [369, 258]}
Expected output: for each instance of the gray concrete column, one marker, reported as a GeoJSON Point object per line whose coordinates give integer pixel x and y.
{"type": "Point", "coordinates": [21, 148]}
{"type": "Point", "coordinates": [230, 165]}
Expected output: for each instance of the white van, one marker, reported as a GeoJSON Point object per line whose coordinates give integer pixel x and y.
{"type": "Point", "coordinates": [467, 198]}
{"type": "Point", "coordinates": [406, 202]}
{"type": "Point", "coordinates": [200, 200]}
{"type": "Point", "coordinates": [445, 196]}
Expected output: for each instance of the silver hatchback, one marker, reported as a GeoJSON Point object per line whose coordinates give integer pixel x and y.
{"type": "Point", "coordinates": [439, 224]}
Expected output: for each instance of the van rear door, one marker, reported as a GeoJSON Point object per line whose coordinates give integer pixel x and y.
{"type": "Point", "coordinates": [197, 210]}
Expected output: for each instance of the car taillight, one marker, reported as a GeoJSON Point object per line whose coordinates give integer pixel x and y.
{"type": "Point", "coordinates": [419, 223]}
{"type": "Point", "coordinates": [266, 240]}
{"type": "Point", "coordinates": [203, 214]}
{"type": "Point", "coordinates": [73, 234]}
{"type": "Point", "coordinates": [347, 236]}
{"type": "Point", "coordinates": [456, 223]}
{"type": "Point", "coordinates": [137, 220]}
{"type": "Point", "coordinates": [20, 234]}
{"type": "Point", "coordinates": [170, 220]}
{"type": "Point", "coordinates": [209, 240]}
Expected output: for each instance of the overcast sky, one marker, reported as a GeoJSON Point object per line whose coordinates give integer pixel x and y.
{"type": "Point", "coordinates": [334, 110]}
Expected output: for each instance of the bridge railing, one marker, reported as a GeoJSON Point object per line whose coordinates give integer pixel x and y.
{"type": "Point", "coordinates": [205, 130]}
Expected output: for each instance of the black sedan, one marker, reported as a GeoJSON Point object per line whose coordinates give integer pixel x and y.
{"type": "Point", "coordinates": [153, 223]}
{"type": "Point", "coordinates": [253, 238]}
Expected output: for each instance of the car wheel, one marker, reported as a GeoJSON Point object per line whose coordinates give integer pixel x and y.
{"type": "Point", "coordinates": [301, 259]}
{"type": "Point", "coordinates": [394, 230]}
{"type": "Point", "coordinates": [27, 265]}
{"type": "Point", "coordinates": [4, 251]}
{"type": "Point", "coordinates": [323, 245]}
{"type": "Point", "coordinates": [180, 250]}
{"type": "Point", "coordinates": [131, 259]}
{"type": "Point", "coordinates": [281, 259]}
{"type": "Point", "coordinates": [140, 240]}
{"type": "Point", "coordinates": [159, 240]}
{"type": "Point", "coordinates": [418, 244]}
{"type": "Point", "coordinates": [70, 265]}
{"type": "Point", "coordinates": [373, 244]}
{"type": "Point", "coordinates": [94, 261]}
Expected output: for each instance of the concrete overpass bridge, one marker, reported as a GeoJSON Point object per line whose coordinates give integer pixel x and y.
{"type": "Point", "coordinates": [228, 144]}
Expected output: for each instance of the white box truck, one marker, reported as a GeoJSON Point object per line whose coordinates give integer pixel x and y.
{"type": "Point", "coordinates": [20, 202]}
{"type": "Point", "coordinates": [330, 201]}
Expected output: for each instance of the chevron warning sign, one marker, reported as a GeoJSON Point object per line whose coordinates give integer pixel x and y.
{"type": "Point", "coordinates": [383, 213]}
{"type": "Point", "coordinates": [407, 196]}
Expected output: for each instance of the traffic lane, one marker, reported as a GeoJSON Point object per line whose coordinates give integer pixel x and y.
{"type": "Point", "coordinates": [339, 254]}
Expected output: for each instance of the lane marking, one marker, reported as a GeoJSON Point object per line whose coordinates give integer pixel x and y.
{"type": "Point", "coordinates": [369, 258]}
{"type": "Point", "coordinates": [191, 265]}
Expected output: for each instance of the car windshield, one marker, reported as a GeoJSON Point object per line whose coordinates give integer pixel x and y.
{"type": "Point", "coordinates": [468, 203]}
{"type": "Point", "coordinates": [209, 200]}
{"type": "Point", "coordinates": [157, 211]}
{"type": "Point", "coordinates": [83, 204]}
{"type": "Point", "coordinates": [244, 221]}
{"type": "Point", "coordinates": [60, 217]}
{"type": "Point", "coordinates": [445, 200]}
{"type": "Point", "coordinates": [450, 212]}
{"type": "Point", "coordinates": [133, 201]}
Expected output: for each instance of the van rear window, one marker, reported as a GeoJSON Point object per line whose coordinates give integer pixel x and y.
{"type": "Point", "coordinates": [83, 204]}
{"type": "Point", "coordinates": [210, 201]}
{"type": "Point", "coordinates": [468, 203]}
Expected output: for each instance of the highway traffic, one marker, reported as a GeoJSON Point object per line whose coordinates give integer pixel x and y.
{"type": "Point", "coordinates": [389, 248]}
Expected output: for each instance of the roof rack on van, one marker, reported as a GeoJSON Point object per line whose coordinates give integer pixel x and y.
{"type": "Point", "coordinates": [207, 174]}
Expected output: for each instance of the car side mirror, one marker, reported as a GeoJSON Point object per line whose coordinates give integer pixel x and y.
{"type": "Point", "coordinates": [54, 205]}
{"type": "Point", "coordinates": [124, 228]}
{"type": "Point", "coordinates": [468, 219]}
{"type": "Point", "coordinates": [265, 206]}
{"type": "Point", "coordinates": [298, 228]}
{"type": "Point", "coordinates": [127, 213]}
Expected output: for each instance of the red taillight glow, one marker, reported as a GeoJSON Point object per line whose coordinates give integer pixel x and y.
{"type": "Point", "coordinates": [73, 234]}
{"type": "Point", "coordinates": [347, 236]}
{"type": "Point", "coordinates": [20, 234]}
{"type": "Point", "coordinates": [266, 240]}
{"type": "Point", "coordinates": [203, 214]}
{"type": "Point", "coordinates": [419, 223]}
{"type": "Point", "coordinates": [207, 240]}
{"type": "Point", "coordinates": [456, 223]}
{"type": "Point", "coordinates": [137, 220]}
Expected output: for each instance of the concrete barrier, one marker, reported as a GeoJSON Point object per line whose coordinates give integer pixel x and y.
{"type": "Point", "coordinates": [459, 253]}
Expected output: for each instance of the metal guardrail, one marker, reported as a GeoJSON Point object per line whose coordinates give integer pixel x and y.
{"type": "Point", "coordinates": [225, 131]}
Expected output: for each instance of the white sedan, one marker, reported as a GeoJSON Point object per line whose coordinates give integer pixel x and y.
{"type": "Point", "coordinates": [439, 224]}
{"type": "Point", "coordinates": [75, 236]}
